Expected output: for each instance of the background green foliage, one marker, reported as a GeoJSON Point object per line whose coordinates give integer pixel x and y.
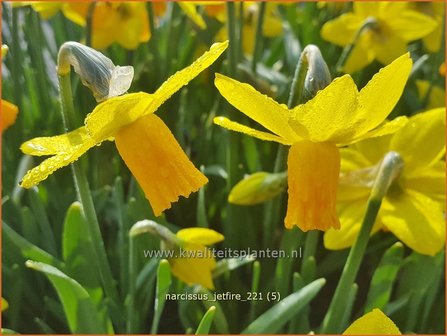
{"type": "Point", "coordinates": [43, 224]}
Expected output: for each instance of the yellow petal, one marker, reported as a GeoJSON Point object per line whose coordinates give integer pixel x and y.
{"type": "Point", "coordinates": [341, 31]}
{"type": "Point", "coordinates": [200, 236]}
{"type": "Point", "coordinates": [157, 161]}
{"type": "Point", "coordinates": [5, 304]}
{"type": "Point", "coordinates": [378, 98]}
{"type": "Point", "coordinates": [373, 149]}
{"type": "Point", "coordinates": [234, 126]}
{"type": "Point", "coordinates": [50, 165]}
{"type": "Point", "coordinates": [373, 323]}
{"type": "Point", "coordinates": [111, 115]}
{"type": "Point", "coordinates": [365, 9]}
{"type": "Point", "coordinates": [411, 25]}
{"type": "Point", "coordinates": [134, 25]}
{"type": "Point", "coordinates": [257, 106]}
{"type": "Point", "coordinates": [195, 269]}
{"type": "Point", "coordinates": [329, 115]}
{"type": "Point", "coordinates": [388, 127]}
{"type": "Point", "coordinates": [76, 12]}
{"type": "Point", "coordinates": [313, 170]}
{"type": "Point", "coordinates": [46, 10]}
{"type": "Point", "coordinates": [388, 47]}
{"type": "Point", "coordinates": [436, 96]}
{"type": "Point", "coordinates": [430, 182]}
{"type": "Point", "coordinates": [191, 11]}
{"type": "Point", "coordinates": [56, 144]}
{"type": "Point", "coordinates": [421, 142]}
{"type": "Point", "coordinates": [351, 216]}
{"type": "Point", "coordinates": [416, 220]}
{"type": "Point", "coordinates": [183, 77]}
{"type": "Point", "coordinates": [9, 114]}
{"type": "Point", "coordinates": [361, 55]}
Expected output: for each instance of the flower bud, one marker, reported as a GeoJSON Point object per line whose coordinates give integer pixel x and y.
{"type": "Point", "coordinates": [257, 188]}
{"type": "Point", "coordinates": [97, 71]}
{"type": "Point", "coordinates": [318, 75]}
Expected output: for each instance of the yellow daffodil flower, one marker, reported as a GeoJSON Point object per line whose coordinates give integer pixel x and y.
{"type": "Point", "coordinates": [9, 114]}
{"type": "Point", "coordinates": [436, 10]}
{"type": "Point", "coordinates": [194, 265]}
{"type": "Point", "coordinates": [143, 140]}
{"type": "Point", "coordinates": [436, 96]}
{"type": "Point", "coordinates": [272, 23]}
{"type": "Point", "coordinates": [391, 26]}
{"type": "Point", "coordinates": [337, 115]}
{"type": "Point", "coordinates": [442, 69]}
{"type": "Point", "coordinates": [373, 323]}
{"type": "Point", "coordinates": [413, 207]}
{"type": "Point", "coordinates": [74, 11]}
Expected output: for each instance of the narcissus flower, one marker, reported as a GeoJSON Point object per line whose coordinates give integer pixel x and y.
{"type": "Point", "coordinates": [373, 323]}
{"type": "Point", "coordinates": [9, 114]}
{"type": "Point", "coordinates": [389, 27]}
{"type": "Point", "coordinates": [436, 94]}
{"type": "Point", "coordinates": [337, 115]}
{"type": "Point", "coordinates": [436, 10]}
{"type": "Point", "coordinates": [143, 140]}
{"type": "Point", "coordinates": [413, 209]}
{"type": "Point", "coordinates": [194, 262]}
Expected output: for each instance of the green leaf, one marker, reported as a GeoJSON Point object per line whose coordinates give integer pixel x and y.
{"type": "Point", "coordinates": [274, 318]}
{"type": "Point", "coordinates": [205, 323]}
{"type": "Point", "coordinates": [79, 309]}
{"type": "Point", "coordinates": [8, 332]}
{"type": "Point", "coordinates": [229, 264]}
{"type": "Point", "coordinates": [29, 250]}
{"type": "Point", "coordinates": [384, 277]}
{"type": "Point", "coordinates": [79, 257]}
{"type": "Point", "coordinates": [163, 283]}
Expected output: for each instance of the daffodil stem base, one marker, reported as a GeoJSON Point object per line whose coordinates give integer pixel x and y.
{"type": "Point", "coordinates": [389, 169]}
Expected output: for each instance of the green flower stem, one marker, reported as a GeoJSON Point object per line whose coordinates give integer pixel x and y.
{"type": "Point", "coordinates": [131, 321]}
{"type": "Point", "coordinates": [85, 196]}
{"type": "Point", "coordinates": [389, 169]}
{"type": "Point", "coordinates": [88, 25]}
{"type": "Point", "coordinates": [368, 24]}
{"type": "Point", "coordinates": [232, 48]}
{"type": "Point", "coordinates": [310, 246]}
{"type": "Point", "coordinates": [258, 36]}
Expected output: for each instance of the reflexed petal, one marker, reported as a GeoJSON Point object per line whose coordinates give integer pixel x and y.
{"type": "Point", "coordinates": [422, 141]}
{"type": "Point", "coordinates": [373, 323]}
{"type": "Point", "coordinates": [313, 170]}
{"type": "Point", "coordinates": [191, 11]}
{"type": "Point", "coordinates": [351, 217]}
{"type": "Point", "coordinates": [329, 115]}
{"type": "Point", "coordinates": [378, 98]}
{"type": "Point", "coordinates": [388, 127]}
{"type": "Point", "coordinates": [8, 115]}
{"type": "Point", "coordinates": [195, 270]}
{"type": "Point", "coordinates": [157, 161]}
{"type": "Point", "coordinates": [111, 115]}
{"type": "Point", "coordinates": [430, 182]}
{"type": "Point", "coordinates": [56, 144]}
{"type": "Point", "coordinates": [341, 31]}
{"type": "Point", "coordinates": [183, 77]}
{"type": "Point", "coordinates": [257, 106]}
{"type": "Point", "coordinates": [411, 25]}
{"type": "Point", "coordinates": [49, 166]}
{"type": "Point", "coordinates": [416, 220]}
{"type": "Point", "coordinates": [200, 236]}
{"type": "Point", "coordinates": [234, 126]}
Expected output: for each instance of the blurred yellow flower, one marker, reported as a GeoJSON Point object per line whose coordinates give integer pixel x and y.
{"type": "Point", "coordinates": [9, 114]}
{"type": "Point", "coordinates": [337, 115]}
{"type": "Point", "coordinates": [442, 69]}
{"type": "Point", "coordinates": [143, 140]}
{"type": "Point", "coordinates": [373, 323]}
{"type": "Point", "coordinates": [436, 10]}
{"type": "Point", "coordinates": [391, 25]}
{"type": "Point", "coordinates": [413, 209]}
{"type": "Point", "coordinates": [436, 94]}
{"type": "Point", "coordinates": [195, 262]}
{"type": "Point", "coordinates": [272, 25]}
{"type": "Point", "coordinates": [5, 304]}
{"type": "Point", "coordinates": [125, 23]}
